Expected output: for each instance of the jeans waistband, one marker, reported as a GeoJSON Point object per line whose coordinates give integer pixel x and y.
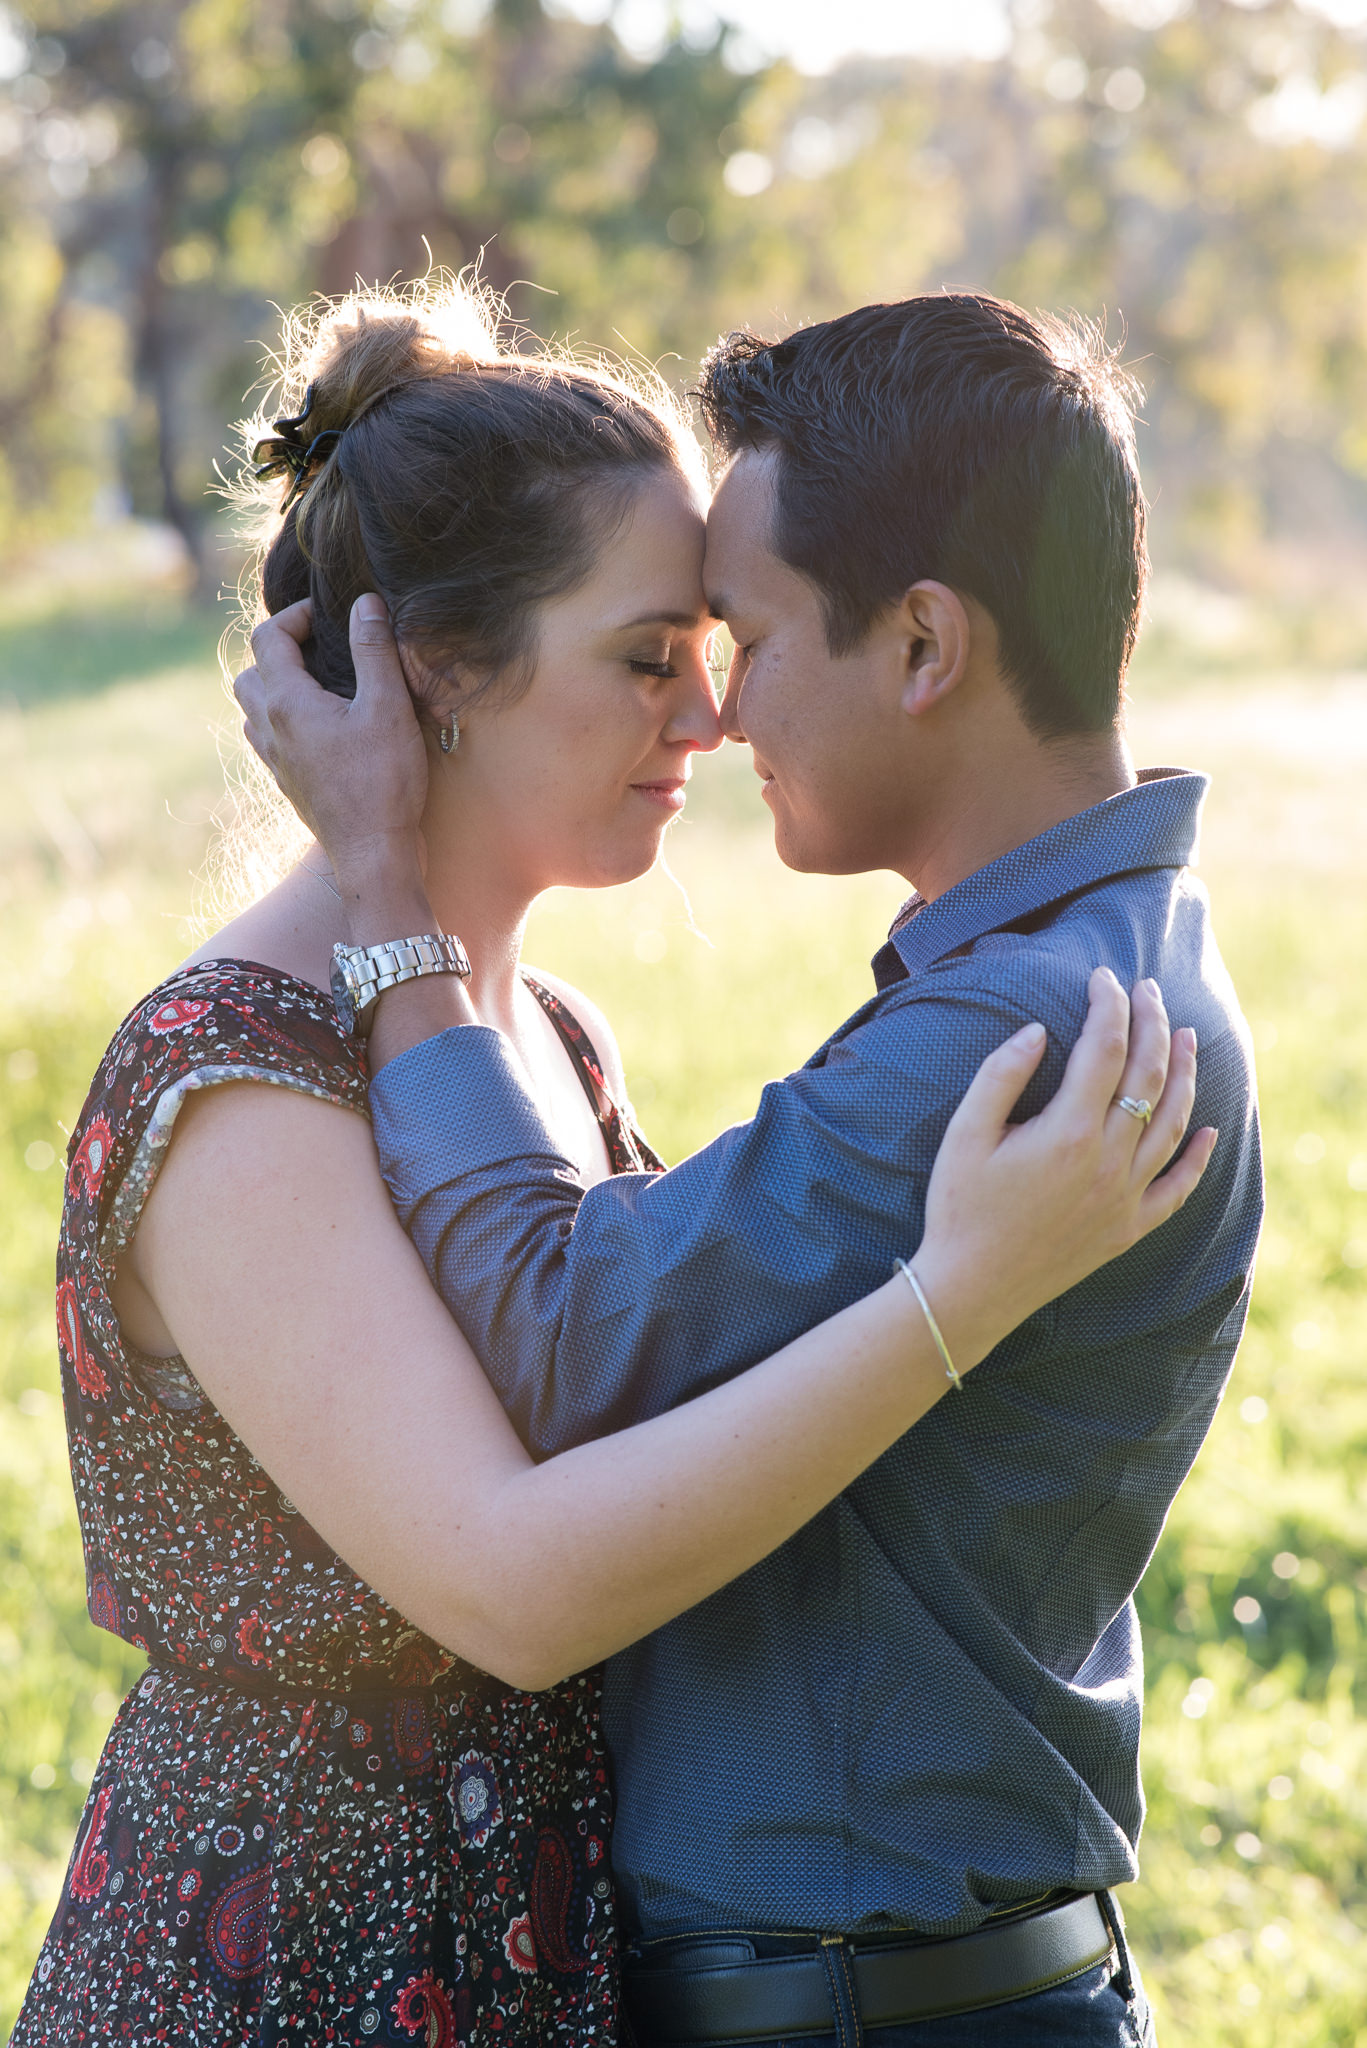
{"type": "Point", "coordinates": [716, 1988]}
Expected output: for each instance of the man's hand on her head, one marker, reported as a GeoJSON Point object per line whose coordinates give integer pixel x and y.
{"type": "Point", "coordinates": [355, 771]}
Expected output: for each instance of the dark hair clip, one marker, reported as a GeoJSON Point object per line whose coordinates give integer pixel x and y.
{"type": "Point", "coordinates": [285, 452]}
{"type": "Point", "coordinates": [289, 428]}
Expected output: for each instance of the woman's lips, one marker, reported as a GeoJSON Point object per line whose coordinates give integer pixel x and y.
{"type": "Point", "coordinates": [669, 793]}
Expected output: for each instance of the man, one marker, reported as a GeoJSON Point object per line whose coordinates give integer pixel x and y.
{"type": "Point", "coordinates": [887, 1778]}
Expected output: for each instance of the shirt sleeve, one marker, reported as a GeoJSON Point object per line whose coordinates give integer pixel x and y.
{"type": "Point", "coordinates": [593, 1309]}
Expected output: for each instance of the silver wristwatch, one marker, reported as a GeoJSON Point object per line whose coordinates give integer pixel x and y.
{"type": "Point", "coordinates": [361, 974]}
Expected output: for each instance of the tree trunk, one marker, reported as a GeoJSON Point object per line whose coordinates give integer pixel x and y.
{"type": "Point", "coordinates": [155, 358]}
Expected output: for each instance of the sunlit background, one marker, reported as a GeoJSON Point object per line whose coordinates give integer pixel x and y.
{"type": "Point", "coordinates": [639, 177]}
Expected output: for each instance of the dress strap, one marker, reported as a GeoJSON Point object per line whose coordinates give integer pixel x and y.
{"type": "Point", "coordinates": [627, 1149]}
{"type": "Point", "coordinates": [577, 1043]}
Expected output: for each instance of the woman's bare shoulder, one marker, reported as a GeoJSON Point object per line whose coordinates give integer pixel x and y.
{"type": "Point", "coordinates": [283, 930]}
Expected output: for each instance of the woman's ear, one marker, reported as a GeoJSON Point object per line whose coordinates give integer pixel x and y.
{"type": "Point", "coordinates": [437, 694]}
{"type": "Point", "coordinates": [938, 637]}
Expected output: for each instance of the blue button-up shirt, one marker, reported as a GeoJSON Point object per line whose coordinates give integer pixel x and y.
{"type": "Point", "coordinates": [928, 1701]}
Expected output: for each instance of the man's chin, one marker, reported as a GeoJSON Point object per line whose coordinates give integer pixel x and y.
{"type": "Point", "coordinates": [804, 852]}
{"type": "Point", "coordinates": [815, 852]}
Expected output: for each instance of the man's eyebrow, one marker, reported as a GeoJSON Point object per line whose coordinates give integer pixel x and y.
{"type": "Point", "coordinates": [719, 606]}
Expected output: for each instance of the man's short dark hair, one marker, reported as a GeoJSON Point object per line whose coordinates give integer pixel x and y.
{"type": "Point", "coordinates": [955, 438]}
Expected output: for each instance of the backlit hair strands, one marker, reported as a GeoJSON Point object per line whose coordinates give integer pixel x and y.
{"type": "Point", "coordinates": [956, 438]}
{"type": "Point", "coordinates": [468, 483]}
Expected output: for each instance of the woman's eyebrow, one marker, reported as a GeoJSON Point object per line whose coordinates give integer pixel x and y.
{"type": "Point", "coordinates": [682, 619]}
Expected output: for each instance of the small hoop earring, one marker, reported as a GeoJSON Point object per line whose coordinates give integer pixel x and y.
{"type": "Point", "coordinates": [449, 736]}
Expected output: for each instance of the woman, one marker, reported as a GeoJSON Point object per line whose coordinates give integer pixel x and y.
{"type": "Point", "coordinates": [359, 1795]}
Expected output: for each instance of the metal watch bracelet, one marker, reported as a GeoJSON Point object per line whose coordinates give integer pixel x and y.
{"type": "Point", "coordinates": [361, 974]}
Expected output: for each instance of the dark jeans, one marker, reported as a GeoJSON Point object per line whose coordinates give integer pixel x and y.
{"type": "Point", "coordinates": [1089, 2011]}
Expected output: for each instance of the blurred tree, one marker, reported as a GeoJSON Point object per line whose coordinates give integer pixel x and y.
{"type": "Point", "coordinates": [173, 166]}
{"type": "Point", "coordinates": [1206, 178]}
{"type": "Point", "coordinates": [1195, 169]}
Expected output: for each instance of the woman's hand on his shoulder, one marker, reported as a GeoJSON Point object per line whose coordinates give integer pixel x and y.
{"type": "Point", "coordinates": [1018, 1213]}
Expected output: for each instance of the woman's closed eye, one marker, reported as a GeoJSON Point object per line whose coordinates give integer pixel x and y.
{"type": "Point", "coordinates": [639, 666]}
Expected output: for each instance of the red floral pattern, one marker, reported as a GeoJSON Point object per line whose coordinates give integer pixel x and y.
{"type": "Point", "coordinates": [423, 2008]}
{"type": "Point", "coordinates": [519, 1946]}
{"type": "Point", "coordinates": [71, 1342]}
{"type": "Point", "coordinates": [310, 1822]}
{"type": "Point", "coordinates": [88, 1159]}
{"type": "Point", "coordinates": [174, 1014]}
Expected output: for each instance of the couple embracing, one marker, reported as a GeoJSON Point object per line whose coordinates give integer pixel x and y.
{"type": "Point", "coordinates": [588, 1603]}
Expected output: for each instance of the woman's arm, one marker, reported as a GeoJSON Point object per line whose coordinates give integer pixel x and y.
{"type": "Point", "coordinates": [271, 1250]}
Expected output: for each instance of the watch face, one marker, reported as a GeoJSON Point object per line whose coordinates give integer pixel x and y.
{"type": "Point", "coordinates": [342, 998]}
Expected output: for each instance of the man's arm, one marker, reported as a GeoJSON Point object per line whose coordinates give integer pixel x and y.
{"type": "Point", "coordinates": [592, 1310]}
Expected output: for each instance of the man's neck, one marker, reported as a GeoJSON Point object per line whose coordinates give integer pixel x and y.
{"type": "Point", "coordinates": [1008, 802]}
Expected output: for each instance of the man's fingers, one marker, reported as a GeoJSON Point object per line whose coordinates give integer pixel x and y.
{"type": "Point", "coordinates": [282, 679]}
{"type": "Point", "coordinates": [997, 1086]}
{"type": "Point", "coordinates": [295, 622]}
{"type": "Point", "coordinates": [250, 693]}
{"type": "Point", "coordinates": [256, 725]}
{"type": "Point", "coordinates": [380, 680]}
{"type": "Point", "coordinates": [259, 737]}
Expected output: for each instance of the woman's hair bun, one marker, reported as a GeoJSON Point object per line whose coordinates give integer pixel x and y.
{"type": "Point", "coordinates": [363, 349]}
{"type": "Point", "coordinates": [466, 484]}
{"type": "Point", "coordinates": [342, 357]}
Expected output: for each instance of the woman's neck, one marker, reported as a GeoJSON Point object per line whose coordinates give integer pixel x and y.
{"type": "Point", "coordinates": [489, 918]}
{"type": "Point", "coordinates": [296, 925]}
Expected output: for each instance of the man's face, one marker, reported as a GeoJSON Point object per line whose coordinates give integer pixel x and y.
{"type": "Point", "coordinates": [831, 742]}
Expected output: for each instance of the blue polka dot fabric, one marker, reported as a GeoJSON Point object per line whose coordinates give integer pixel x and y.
{"type": "Point", "coordinates": [928, 1702]}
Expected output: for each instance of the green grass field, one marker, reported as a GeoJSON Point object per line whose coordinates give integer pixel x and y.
{"type": "Point", "coordinates": [1251, 1917]}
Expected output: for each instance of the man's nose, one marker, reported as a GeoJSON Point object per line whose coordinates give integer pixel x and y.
{"type": "Point", "coordinates": [729, 712]}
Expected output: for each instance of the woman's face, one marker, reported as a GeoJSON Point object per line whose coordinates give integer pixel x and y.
{"type": "Point", "coordinates": [573, 781]}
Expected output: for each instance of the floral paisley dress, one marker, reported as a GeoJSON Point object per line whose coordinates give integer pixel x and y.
{"type": "Point", "coordinates": [310, 1822]}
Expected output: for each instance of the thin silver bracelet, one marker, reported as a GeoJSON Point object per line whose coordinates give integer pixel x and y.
{"type": "Point", "coordinates": [952, 1374]}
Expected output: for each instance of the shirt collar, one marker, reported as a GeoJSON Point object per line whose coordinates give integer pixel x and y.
{"type": "Point", "coordinates": [1154, 825]}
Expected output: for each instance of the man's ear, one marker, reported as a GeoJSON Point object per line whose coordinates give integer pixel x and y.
{"type": "Point", "coordinates": [937, 637]}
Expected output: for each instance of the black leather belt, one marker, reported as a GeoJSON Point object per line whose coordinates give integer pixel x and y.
{"type": "Point", "coordinates": [760, 1998]}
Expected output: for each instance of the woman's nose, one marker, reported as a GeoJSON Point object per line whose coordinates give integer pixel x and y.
{"type": "Point", "coordinates": [694, 717]}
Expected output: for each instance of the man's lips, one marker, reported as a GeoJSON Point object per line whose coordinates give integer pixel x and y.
{"type": "Point", "coordinates": [669, 791]}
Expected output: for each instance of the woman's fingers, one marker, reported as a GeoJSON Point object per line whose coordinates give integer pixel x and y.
{"type": "Point", "coordinates": [1172, 1109]}
{"type": "Point", "coordinates": [1096, 1063]}
{"type": "Point", "coordinates": [259, 738]}
{"type": "Point", "coordinates": [1165, 1196]}
{"type": "Point", "coordinates": [997, 1087]}
{"type": "Point", "coordinates": [1145, 1072]}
